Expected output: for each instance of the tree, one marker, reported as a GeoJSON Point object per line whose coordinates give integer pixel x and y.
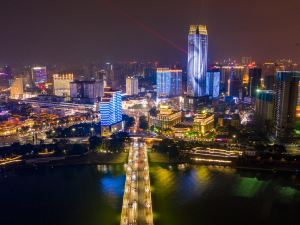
{"type": "Point", "coordinates": [143, 123]}
{"type": "Point", "coordinates": [129, 121]}
{"type": "Point", "coordinates": [95, 142]}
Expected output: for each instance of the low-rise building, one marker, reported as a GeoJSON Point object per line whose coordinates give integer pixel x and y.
{"type": "Point", "coordinates": [166, 118]}
{"type": "Point", "coordinates": [203, 123]}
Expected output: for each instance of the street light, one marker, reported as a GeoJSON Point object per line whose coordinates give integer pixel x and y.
{"type": "Point", "coordinates": [92, 130]}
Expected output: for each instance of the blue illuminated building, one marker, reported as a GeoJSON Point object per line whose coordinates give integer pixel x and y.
{"type": "Point", "coordinates": [169, 82]}
{"type": "Point", "coordinates": [197, 61]}
{"type": "Point", "coordinates": [213, 83]}
{"type": "Point", "coordinates": [110, 107]}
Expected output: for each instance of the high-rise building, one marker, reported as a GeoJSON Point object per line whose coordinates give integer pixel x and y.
{"type": "Point", "coordinates": [61, 84]}
{"type": "Point", "coordinates": [110, 109]}
{"type": "Point", "coordinates": [264, 109]}
{"type": "Point", "coordinates": [269, 75]}
{"type": "Point", "coordinates": [213, 83]}
{"type": "Point", "coordinates": [86, 91]}
{"type": "Point", "coordinates": [235, 88]}
{"type": "Point", "coordinates": [17, 88]}
{"type": "Point", "coordinates": [132, 85]}
{"type": "Point", "coordinates": [232, 74]}
{"type": "Point", "coordinates": [255, 81]}
{"type": "Point", "coordinates": [9, 75]}
{"type": "Point", "coordinates": [39, 75]}
{"type": "Point", "coordinates": [197, 60]}
{"type": "Point", "coordinates": [176, 82]}
{"type": "Point", "coordinates": [169, 82]}
{"type": "Point", "coordinates": [286, 96]}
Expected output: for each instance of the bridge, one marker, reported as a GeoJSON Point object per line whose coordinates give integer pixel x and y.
{"type": "Point", "coordinates": [137, 203]}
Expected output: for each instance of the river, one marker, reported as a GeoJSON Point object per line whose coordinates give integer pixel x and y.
{"type": "Point", "coordinates": [199, 195]}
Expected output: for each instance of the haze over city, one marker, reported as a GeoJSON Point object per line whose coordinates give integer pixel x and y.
{"type": "Point", "coordinates": [162, 112]}
{"type": "Point", "coordinates": [76, 31]}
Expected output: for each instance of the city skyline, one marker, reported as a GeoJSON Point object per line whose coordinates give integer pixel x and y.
{"type": "Point", "coordinates": [65, 32]}
{"type": "Point", "coordinates": [158, 112]}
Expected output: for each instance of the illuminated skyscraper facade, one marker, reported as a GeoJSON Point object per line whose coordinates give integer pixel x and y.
{"type": "Point", "coordinates": [110, 107]}
{"type": "Point", "coordinates": [213, 83]}
{"type": "Point", "coordinates": [197, 60]}
{"type": "Point", "coordinates": [169, 82]}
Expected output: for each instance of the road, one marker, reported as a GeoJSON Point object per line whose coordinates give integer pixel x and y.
{"type": "Point", "coordinates": [137, 203]}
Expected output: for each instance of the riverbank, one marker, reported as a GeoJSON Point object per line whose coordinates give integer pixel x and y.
{"type": "Point", "coordinates": [160, 158]}
{"type": "Point", "coordinates": [155, 157]}
{"type": "Point", "coordinates": [92, 158]}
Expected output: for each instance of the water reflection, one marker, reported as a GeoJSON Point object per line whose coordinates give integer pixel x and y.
{"type": "Point", "coordinates": [86, 195]}
{"type": "Point", "coordinates": [181, 197]}
{"type": "Point", "coordinates": [112, 188]}
{"type": "Point", "coordinates": [249, 187]}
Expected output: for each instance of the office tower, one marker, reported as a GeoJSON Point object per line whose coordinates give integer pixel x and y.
{"type": "Point", "coordinates": [169, 82]}
{"type": "Point", "coordinates": [163, 82]}
{"type": "Point", "coordinates": [286, 96]}
{"type": "Point", "coordinates": [110, 109]}
{"type": "Point", "coordinates": [197, 60]}
{"type": "Point", "coordinates": [213, 83]}
{"type": "Point", "coordinates": [254, 81]}
{"type": "Point", "coordinates": [61, 84]}
{"type": "Point", "coordinates": [102, 75]}
{"type": "Point", "coordinates": [17, 88]}
{"type": "Point", "coordinates": [235, 88]}
{"type": "Point", "coordinates": [176, 82]}
{"type": "Point", "coordinates": [39, 75]}
{"type": "Point", "coordinates": [264, 109]}
{"type": "Point", "coordinates": [132, 85]}
{"type": "Point", "coordinates": [269, 75]}
{"type": "Point", "coordinates": [86, 91]}
{"type": "Point", "coordinates": [232, 73]}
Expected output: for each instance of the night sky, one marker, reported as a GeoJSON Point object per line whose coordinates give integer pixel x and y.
{"type": "Point", "coordinates": [83, 30]}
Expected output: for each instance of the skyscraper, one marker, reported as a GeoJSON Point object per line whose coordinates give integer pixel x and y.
{"type": "Point", "coordinates": [213, 83]}
{"type": "Point", "coordinates": [61, 84]}
{"type": "Point", "coordinates": [132, 85]}
{"type": "Point", "coordinates": [169, 82]}
{"type": "Point", "coordinates": [176, 82]}
{"type": "Point", "coordinates": [39, 75]}
{"type": "Point", "coordinates": [254, 81]}
{"type": "Point", "coordinates": [110, 107]}
{"type": "Point", "coordinates": [17, 88]}
{"type": "Point", "coordinates": [197, 60]}
{"type": "Point", "coordinates": [264, 109]}
{"type": "Point", "coordinates": [286, 95]}
{"type": "Point", "coordinates": [86, 91]}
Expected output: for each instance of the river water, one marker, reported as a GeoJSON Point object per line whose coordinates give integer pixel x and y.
{"type": "Point", "coordinates": [200, 195]}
